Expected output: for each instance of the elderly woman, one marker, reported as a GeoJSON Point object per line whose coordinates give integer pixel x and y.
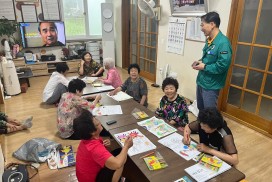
{"type": "Point", "coordinates": [70, 107]}
{"type": "Point", "coordinates": [173, 108]}
{"type": "Point", "coordinates": [93, 161]}
{"type": "Point", "coordinates": [113, 77]}
{"type": "Point", "coordinates": [88, 67]}
{"type": "Point", "coordinates": [135, 86]}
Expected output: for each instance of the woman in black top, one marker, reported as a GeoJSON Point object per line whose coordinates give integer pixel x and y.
{"type": "Point", "coordinates": [214, 135]}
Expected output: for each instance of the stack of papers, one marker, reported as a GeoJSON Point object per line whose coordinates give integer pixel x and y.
{"type": "Point", "coordinates": [120, 96]}
{"type": "Point", "coordinates": [140, 142]}
{"type": "Point", "coordinates": [89, 79]}
{"type": "Point", "coordinates": [157, 127]}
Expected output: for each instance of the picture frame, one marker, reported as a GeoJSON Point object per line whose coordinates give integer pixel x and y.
{"type": "Point", "coordinates": [188, 8]}
{"type": "Point", "coordinates": [30, 1]}
{"type": "Point", "coordinates": [29, 13]}
{"type": "Point", "coordinates": [7, 10]}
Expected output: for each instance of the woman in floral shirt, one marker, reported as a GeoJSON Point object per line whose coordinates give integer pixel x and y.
{"type": "Point", "coordinates": [70, 107]}
{"type": "Point", "coordinates": [173, 108]}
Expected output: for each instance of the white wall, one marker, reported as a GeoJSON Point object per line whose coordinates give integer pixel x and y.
{"type": "Point", "coordinates": [192, 50]}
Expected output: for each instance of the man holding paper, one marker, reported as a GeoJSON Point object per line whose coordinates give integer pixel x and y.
{"type": "Point", "coordinates": [215, 137]}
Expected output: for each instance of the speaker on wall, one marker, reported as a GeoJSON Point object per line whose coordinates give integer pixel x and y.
{"type": "Point", "coordinates": [107, 30]}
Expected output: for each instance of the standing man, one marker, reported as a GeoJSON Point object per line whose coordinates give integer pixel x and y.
{"type": "Point", "coordinates": [215, 62]}
{"type": "Point", "coordinates": [49, 34]}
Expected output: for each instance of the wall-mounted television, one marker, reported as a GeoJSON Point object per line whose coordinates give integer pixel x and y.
{"type": "Point", "coordinates": [42, 34]}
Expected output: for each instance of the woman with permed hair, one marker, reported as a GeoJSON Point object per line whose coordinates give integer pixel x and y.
{"type": "Point", "coordinates": [113, 78]}
{"type": "Point", "coordinates": [93, 160]}
{"type": "Point", "coordinates": [215, 137]}
{"type": "Point", "coordinates": [70, 107]}
{"type": "Point", "coordinates": [173, 108]}
{"type": "Point", "coordinates": [135, 86]}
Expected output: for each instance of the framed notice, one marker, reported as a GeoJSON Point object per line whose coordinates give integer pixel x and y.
{"type": "Point", "coordinates": [50, 9]}
{"type": "Point", "coordinates": [29, 13]}
{"type": "Point", "coordinates": [193, 30]}
{"type": "Point", "coordinates": [32, 1]}
{"type": "Point", "coordinates": [188, 7]}
{"type": "Point", "coordinates": [7, 10]}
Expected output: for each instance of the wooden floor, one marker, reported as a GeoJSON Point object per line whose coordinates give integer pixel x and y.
{"type": "Point", "coordinates": [255, 149]}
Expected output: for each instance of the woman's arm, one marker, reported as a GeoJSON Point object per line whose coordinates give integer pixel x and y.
{"type": "Point", "coordinates": [115, 91]}
{"type": "Point", "coordinates": [143, 99]}
{"type": "Point", "coordinates": [80, 70]}
{"type": "Point", "coordinates": [119, 161]}
{"type": "Point", "coordinates": [101, 69]}
{"type": "Point", "coordinates": [229, 158]}
{"type": "Point", "coordinates": [109, 79]}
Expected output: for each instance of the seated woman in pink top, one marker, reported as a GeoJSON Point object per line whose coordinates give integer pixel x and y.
{"type": "Point", "coordinates": [113, 77]}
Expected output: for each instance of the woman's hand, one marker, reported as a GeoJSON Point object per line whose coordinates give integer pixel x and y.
{"type": "Point", "coordinates": [106, 142]}
{"type": "Point", "coordinates": [82, 62]}
{"type": "Point", "coordinates": [203, 148]}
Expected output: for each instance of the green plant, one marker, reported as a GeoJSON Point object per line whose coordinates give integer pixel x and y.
{"type": "Point", "coordinates": [8, 28]}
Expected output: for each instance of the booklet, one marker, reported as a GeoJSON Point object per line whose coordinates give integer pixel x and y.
{"type": "Point", "coordinates": [155, 162]}
{"type": "Point", "coordinates": [64, 157]}
{"type": "Point", "coordinates": [201, 173]}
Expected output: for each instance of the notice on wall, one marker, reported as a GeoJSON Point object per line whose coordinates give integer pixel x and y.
{"type": "Point", "coordinates": [50, 9]}
{"type": "Point", "coordinates": [193, 30]}
{"type": "Point", "coordinates": [176, 35]}
{"type": "Point", "coordinates": [7, 9]}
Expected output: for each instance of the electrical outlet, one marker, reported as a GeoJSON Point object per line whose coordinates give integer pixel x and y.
{"type": "Point", "coordinates": [160, 71]}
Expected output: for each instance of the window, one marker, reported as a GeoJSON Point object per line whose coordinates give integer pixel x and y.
{"type": "Point", "coordinates": [82, 19]}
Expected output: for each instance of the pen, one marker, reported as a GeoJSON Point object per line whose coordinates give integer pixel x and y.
{"type": "Point", "coordinates": [182, 153]}
{"type": "Point", "coordinates": [147, 155]}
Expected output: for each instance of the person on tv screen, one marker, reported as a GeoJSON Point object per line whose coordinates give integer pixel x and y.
{"type": "Point", "coordinates": [49, 34]}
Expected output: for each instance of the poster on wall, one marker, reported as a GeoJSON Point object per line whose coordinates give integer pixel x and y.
{"type": "Point", "coordinates": [176, 35]}
{"type": "Point", "coordinates": [50, 9]}
{"type": "Point", "coordinates": [7, 10]}
{"type": "Point", "coordinates": [29, 13]}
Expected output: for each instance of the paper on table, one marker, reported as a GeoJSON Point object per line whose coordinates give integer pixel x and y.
{"type": "Point", "coordinates": [140, 142]}
{"type": "Point", "coordinates": [107, 110]}
{"type": "Point", "coordinates": [120, 96]}
{"type": "Point", "coordinates": [174, 142]}
{"type": "Point", "coordinates": [157, 126]}
{"type": "Point", "coordinates": [88, 79]}
{"type": "Point", "coordinates": [105, 88]}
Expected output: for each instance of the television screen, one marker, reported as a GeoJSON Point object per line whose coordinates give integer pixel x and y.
{"type": "Point", "coordinates": [42, 34]}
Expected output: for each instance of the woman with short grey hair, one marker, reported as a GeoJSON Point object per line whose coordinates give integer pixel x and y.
{"type": "Point", "coordinates": [113, 78]}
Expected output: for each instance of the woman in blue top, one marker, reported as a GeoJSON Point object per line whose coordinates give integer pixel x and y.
{"type": "Point", "coordinates": [173, 108]}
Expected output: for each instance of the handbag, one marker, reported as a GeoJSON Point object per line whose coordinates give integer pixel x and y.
{"type": "Point", "coordinates": [15, 172]}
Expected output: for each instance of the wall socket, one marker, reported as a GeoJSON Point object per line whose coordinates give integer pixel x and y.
{"type": "Point", "coordinates": [161, 71]}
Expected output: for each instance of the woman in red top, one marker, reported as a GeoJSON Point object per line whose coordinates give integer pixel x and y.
{"type": "Point", "coordinates": [93, 161]}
